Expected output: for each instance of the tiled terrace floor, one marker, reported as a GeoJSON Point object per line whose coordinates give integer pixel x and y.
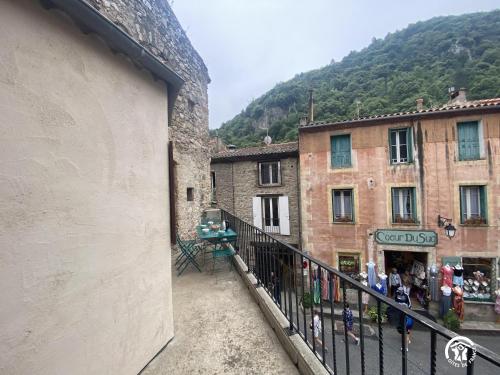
{"type": "Point", "coordinates": [219, 329]}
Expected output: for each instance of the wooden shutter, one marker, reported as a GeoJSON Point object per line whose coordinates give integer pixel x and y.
{"type": "Point", "coordinates": [409, 144]}
{"type": "Point", "coordinates": [468, 141]}
{"type": "Point", "coordinates": [483, 201]}
{"type": "Point", "coordinates": [257, 212]}
{"type": "Point", "coordinates": [414, 204]}
{"type": "Point", "coordinates": [284, 215]}
{"type": "Point", "coordinates": [341, 151]}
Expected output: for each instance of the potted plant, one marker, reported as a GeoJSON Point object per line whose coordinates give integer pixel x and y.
{"type": "Point", "coordinates": [307, 300]}
{"type": "Point", "coordinates": [373, 313]}
{"type": "Point", "coordinates": [451, 321]}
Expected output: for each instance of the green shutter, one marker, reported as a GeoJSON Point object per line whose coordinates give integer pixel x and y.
{"type": "Point", "coordinates": [409, 142]}
{"type": "Point", "coordinates": [414, 204]}
{"type": "Point", "coordinates": [462, 205]}
{"type": "Point", "coordinates": [468, 141]}
{"type": "Point", "coordinates": [341, 151]}
{"type": "Point", "coordinates": [483, 201]}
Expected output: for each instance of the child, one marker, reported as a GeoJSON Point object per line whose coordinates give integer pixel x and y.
{"type": "Point", "coordinates": [349, 323]}
{"type": "Point", "coordinates": [316, 327]}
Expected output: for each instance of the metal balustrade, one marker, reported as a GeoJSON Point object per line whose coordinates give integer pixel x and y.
{"type": "Point", "coordinates": [284, 272]}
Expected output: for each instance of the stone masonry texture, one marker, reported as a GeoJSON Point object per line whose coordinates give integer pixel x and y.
{"type": "Point", "coordinates": [238, 182]}
{"type": "Point", "coordinates": [153, 24]}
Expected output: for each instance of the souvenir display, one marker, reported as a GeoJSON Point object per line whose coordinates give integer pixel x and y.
{"type": "Point", "coordinates": [445, 302]}
{"type": "Point", "coordinates": [458, 278]}
{"type": "Point", "coordinates": [458, 302]}
{"type": "Point", "coordinates": [447, 272]}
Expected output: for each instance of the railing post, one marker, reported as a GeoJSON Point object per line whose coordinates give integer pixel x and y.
{"type": "Point", "coordinates": [344, 299]}
{"type": "Point", "coordinates": [380, 339]}
{"type": "Point", "coordinates": [332, 319]}
{"type": "Point", "coordinates": [470, 363]}
{"type": "Point", "coordinates": [404, 362]}
{"type": "Point", "coordinates": [433, 352]}
{"type": "Point", "coordinates": [361, 331]}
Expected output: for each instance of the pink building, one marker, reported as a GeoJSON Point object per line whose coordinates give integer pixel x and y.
{"type": "Point", "coordinates": [382, 189]}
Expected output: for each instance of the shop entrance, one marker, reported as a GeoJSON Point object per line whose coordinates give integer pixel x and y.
{"type": "Point", "coordinates": [411, 267]}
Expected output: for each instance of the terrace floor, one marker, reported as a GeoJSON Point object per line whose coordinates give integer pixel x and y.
{"type": "Point", "coordinates": [219, 329]}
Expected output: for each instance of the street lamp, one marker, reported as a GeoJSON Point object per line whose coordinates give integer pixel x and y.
{"type": "Point", "coordinates": [449, 229]}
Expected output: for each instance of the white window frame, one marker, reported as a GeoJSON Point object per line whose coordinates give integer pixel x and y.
{"type": "Point", "coordinates": [271, 228]}
{"type": "Point", "coordinates": [467, 210]}
{"type": "Point", "coordinates": [268, 164]}
{"type": "Point", "coordinates": [399, 159]}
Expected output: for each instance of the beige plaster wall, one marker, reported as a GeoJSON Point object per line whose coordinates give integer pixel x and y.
{"type": "Point", "coordinates": [84, 251]}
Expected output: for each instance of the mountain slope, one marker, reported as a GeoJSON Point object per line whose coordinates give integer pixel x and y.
{"type": "Point", "coordinates": [422, 60]}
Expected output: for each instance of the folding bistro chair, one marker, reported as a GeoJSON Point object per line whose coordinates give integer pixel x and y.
{"type": "Point", "coordinates": [189, 250]}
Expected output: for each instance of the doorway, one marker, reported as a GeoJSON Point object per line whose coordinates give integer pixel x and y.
{"type": "Point", "coordinates": [412, 267]}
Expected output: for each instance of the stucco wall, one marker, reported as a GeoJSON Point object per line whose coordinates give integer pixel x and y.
{"type": "Point", "coordinates": [84, 252]}
{"type": "Point", "coordinates": [238, 182]}
{"type": "Point", "coordinates": [436, 174]}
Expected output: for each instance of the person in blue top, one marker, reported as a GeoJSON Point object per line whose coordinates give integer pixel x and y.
{"type": "Point", "coordinates": [349, 322]}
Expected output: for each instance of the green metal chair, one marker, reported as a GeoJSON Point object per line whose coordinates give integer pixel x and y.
{"type": "Point", "coordinates": [189, 250]}
{"type": "Point", "coordinates": [224, 252]}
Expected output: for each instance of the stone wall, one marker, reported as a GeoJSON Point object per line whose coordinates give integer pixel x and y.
{"type": "Point", "coordinates": [238, 182]}
{"type": "Point", "coordinates": [153, 24]}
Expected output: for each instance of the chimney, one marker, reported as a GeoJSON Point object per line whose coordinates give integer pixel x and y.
{"type": "Point", "coordinates": [457, 96]}
{"type": "Point", "coordinates": [303, 121]}
{"type": "Point", "coordinates": [311, 107]}
{"type": "Point", "coordinates": [420, 104]}
{"type": "Point", "coordinates": [231, 148]}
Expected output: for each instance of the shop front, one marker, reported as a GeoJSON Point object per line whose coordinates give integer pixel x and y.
{"type": "Point", "coordinates": [409, 254]}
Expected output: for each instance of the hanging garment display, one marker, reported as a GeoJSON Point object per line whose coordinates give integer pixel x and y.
{"type": "Point", "coordinates": [433, 283]}
{"type": "Point", "coordinates": [458, 275]}
{"type": "Point", "coordinates": [372, 276]}
{"type": "Point", "coordinates": [316, 291]}
{"type": "Point", "coordinates": [458, 302]}
{"type": "Point", "coordinates": [447, 272]}
{"type": "Point", "coordinates": [445, 304]}
{"type": "Point", "coordinates": [378, 288]}
{"type": "Point", "coordinates": [383, 281]}
{"type": "Point", "coordinates": [365, 297]}
{"type": "Point", "coordinates": [417, 268]}
{"type": "Point", "coordinates": [324, 285]}
{"type": "Point", "coordinates": [497, 302]}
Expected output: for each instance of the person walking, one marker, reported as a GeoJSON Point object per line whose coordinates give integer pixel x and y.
{"type": "Point", "coordinates": [349, 322]}
{"type": "Point", "coordinates": [317, 328]}
{"type": "Point", "coordinates": [394, 281]}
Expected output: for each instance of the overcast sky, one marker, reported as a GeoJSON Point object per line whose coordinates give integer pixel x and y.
{"type": "Point", "coordinates": [250, 45]}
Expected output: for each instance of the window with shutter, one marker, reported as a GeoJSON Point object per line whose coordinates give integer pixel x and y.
{"type": "Point", "coordinates": [468, 141]}
{"type": "Point", "coordinates": [400, 141]}
{"type": "Point", "coordinates": [473, 205]}
{"type": "Point", "coordinates": [403, 205]}
{"type": "Point", "coordinates": [341, 151]}
{"type": "Point", "coordinates": [270, 214]}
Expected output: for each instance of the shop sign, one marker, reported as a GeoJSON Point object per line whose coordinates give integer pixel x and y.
{"type": "Point", "coordinates": [406, 237]}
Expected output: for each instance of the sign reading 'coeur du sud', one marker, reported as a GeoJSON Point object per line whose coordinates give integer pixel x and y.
{"type": "Point", "coordinates": [406, 237]}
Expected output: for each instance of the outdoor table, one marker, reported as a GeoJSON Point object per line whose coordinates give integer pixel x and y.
{"type": "Point", "coordinates": [218, 240]}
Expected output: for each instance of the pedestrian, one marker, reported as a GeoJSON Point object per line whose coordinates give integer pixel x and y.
{"type": "Point", "coordinates": [394, 281]}
{"type": "Point", "coordinates": [349, 322]}
{"type": "Point", "coordinates": [317, 328]}
{"type": "Point", "coordinates": [404, 300]}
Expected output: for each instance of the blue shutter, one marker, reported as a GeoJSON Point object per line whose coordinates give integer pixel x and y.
{"type": "Point", "coordinates": [468, 141]}
{"type": "Point", "coordinates": [341, 151]}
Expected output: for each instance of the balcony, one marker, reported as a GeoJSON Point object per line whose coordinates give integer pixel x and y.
{"type": "Point", "coordinates": [220, 329]}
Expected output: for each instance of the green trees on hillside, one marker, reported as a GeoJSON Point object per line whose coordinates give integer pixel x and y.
{"type": "Point", "coordinates": [422, 60]}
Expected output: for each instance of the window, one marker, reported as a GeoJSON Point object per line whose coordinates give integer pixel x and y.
{"type": "Point", "coordinates": [270, 173]}
{"type": "Point", "coordinates": [342, 206]}
{"type": "Point", "coordinates": [468, 141]}
{"type": "Point", "coordinates": [473, 205]}
{"type": "Point", "coordinates": [213, 186]}
{"type": "Point", "coordinates": [401, 145]}
{"type": "Point", "coordinates": [190, 194]}
{"type": "Point", "coordinates": [479, 278]}
{"type": "Point", "coordinates": [341, 151]}
{"type": "Point", "coordinates": [349, 264]}
{"type": "Point", "coordinates": [403, 205]}
{"type": "Point", "coordinates": [271, 214]}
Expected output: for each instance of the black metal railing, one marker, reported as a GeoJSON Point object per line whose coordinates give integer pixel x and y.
{"type": "Point", "coordinates": [287, 276]}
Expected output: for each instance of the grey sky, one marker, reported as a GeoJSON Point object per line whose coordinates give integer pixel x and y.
{"type": "Point", "coordinates": [250, 45]}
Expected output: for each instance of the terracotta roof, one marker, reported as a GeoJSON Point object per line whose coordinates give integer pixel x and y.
{"type": "Point", "coordinates": [474, 105]}
{"type": "Point", "coordinates": [261, 152]}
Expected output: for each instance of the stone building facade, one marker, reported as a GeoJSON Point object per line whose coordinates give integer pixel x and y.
{"type": "Point", "coordinates": [239, 189]}
{"type": "Point", "coordinates": [373, 189]}
{"type": "Point", "coordinates": [84, 228]}
{"type": "Point", "coordinates": [153, 24]}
